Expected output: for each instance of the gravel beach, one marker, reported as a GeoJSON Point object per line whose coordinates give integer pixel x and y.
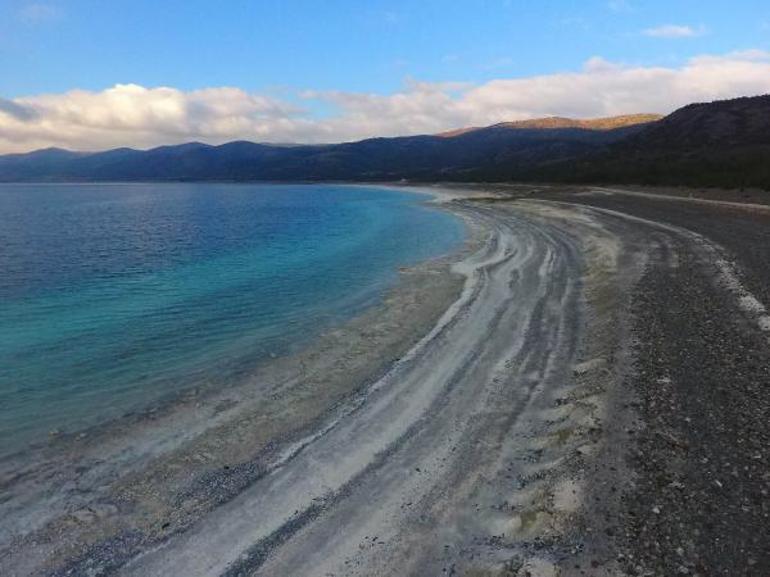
{"type": "Point", "coordinates": [697, 500]}
{"type": "Point", "coordinates": [582, 390]}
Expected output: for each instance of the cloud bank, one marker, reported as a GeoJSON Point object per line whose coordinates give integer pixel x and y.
{"type": "Point", "coordinates": [136, 116]}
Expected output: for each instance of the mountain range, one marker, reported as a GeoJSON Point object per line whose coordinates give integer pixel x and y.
{"type": "Point", "coordinates": [724, 143]}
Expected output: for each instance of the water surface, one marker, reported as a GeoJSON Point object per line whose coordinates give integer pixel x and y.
{"type": "Point", "coordinates": [115, 296]}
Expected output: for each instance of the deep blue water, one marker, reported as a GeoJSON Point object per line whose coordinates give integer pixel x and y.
{"type": "Point", "coordinates": [115, 296]}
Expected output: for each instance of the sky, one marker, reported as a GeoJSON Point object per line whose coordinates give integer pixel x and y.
{"type": "Point", "coordinates": [90, 74]}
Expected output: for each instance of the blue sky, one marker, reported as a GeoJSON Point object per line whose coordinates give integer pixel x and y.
{"type": "Point", "coordinates": [344, 44]}
{"type": "Point", "coordinates": [281, 49]}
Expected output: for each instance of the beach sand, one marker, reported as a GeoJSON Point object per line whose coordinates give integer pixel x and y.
{"type": "Point", "coordinates": [480, 421]}
{"type": "Point", "coordinates": [127, 475]}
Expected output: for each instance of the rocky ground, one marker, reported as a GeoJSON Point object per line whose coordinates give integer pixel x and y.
{"type": "Point", "coordinates": [585, 392]}
{"type": "Point", "coordinates": [697, 500]}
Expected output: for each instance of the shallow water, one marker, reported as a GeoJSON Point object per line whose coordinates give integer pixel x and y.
{"type": "Point", "coordinates": [114, 296]}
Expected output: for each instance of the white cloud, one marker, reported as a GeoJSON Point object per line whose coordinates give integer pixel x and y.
{"type": "Point", "coordinates": [674, 31]}
{"type": "Point", "coordinates": [15, 110]}
{"type": "Point", "coordinates": [131, 115]}
{"type": "Point", "coordinates": [34, 12]}
{"type": "Point", "coordinates": [498, 63]}
{"type": "Point", "coordinates": [619, 6]}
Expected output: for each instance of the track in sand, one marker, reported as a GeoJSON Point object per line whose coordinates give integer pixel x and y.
{"type": "Point", "coordinates": [498, 444]}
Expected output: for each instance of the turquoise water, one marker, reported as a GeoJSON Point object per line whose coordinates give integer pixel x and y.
{"type": "Point", "coordinates": [115, 296]}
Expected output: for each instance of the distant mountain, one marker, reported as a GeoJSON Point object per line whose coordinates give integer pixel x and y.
{"type": "Point", "coordinates": [724, 143]}
{"type": "Point", "coordinates": [609, 123]}
{"type": "Point", "coordinates": [468, 154]}
{"type": "Point", "coordinates": [555, 122]}
{"type": "Point", "coordinates": [47, 160]}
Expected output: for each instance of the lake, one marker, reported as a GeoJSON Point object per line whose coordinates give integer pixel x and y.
{"type": "Point", "coordinates": [114, 296]}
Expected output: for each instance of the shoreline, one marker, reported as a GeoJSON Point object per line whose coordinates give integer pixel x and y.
{"type": "Point", "coordinates": [538, 415]}
{"type": "Point", "coordinates": [165, 404]}
{"type": "Point", "coordinates": [185, 427]}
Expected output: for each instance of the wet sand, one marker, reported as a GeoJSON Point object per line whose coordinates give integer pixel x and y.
{"type": "Point", "coordinates": [492, 417]}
